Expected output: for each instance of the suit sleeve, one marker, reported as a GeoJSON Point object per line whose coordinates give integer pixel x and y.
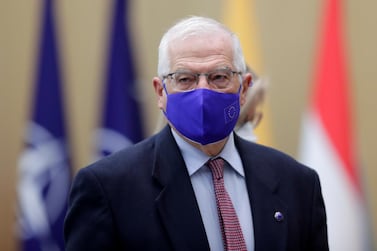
{"type": "Point", "coordinates": [319, 239]}
{"type": "Point", "coordinates": [88, 224]}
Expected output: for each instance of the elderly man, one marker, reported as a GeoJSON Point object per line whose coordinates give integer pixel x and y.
{"type": "Point", "coordinates": [196, 185]}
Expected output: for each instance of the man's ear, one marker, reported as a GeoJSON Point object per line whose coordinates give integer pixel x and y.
{"type": "Point", "coordinates": [159, 90]}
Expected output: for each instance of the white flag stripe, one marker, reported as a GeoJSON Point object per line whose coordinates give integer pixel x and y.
{"type": "Point", "coordinates": [344, 206]}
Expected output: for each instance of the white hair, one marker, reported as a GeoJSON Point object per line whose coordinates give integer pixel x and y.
{"type": "Point", "coordinates": [196, 26]}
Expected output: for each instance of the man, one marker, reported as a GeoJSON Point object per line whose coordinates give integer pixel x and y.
{"type": "Point", "coordinates": [168, 193]}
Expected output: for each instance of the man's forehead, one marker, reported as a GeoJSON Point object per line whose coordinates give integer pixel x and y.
{"type": "Point", "coordinates": [200, 46]}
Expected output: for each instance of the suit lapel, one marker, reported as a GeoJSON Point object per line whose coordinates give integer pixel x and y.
{"type": "Point", "coordinates": [180, 213]}
{"type": "Point", "coordinates": [270, 230]}
{"type": "Point", "coordinates": [176, 202]}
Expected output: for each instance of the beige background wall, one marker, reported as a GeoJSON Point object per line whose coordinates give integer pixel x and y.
{"type": "Point", "coordinates": [289, 32]}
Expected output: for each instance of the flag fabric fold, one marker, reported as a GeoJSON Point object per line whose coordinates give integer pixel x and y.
{"type": "Point", "coordinates": [121, 119]}
{"type": "Point", "coordinates": [327, 142]}
{"type": "Point", "coordinates": [44, 166]}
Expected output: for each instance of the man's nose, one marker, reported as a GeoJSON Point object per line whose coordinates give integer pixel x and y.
{"type": "Point", "coordinates": [203, 82]}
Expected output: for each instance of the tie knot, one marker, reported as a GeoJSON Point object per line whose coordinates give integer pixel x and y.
{"type": "Point", "coordinates": [217, 167]}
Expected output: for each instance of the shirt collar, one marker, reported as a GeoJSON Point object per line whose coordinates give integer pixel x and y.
{"type": "Point", "coordinates": [195, 159]}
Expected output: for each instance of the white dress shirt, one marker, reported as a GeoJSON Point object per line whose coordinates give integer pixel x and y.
{"type": "Point", "coordinates": [234, 178]}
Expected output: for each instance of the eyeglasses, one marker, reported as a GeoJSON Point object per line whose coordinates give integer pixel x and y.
{"type": "Point", "coordinates": [219, 79]}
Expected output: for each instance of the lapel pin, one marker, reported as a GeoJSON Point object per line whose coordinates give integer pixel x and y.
{"type": "Point", "coordinates": [278, 216]}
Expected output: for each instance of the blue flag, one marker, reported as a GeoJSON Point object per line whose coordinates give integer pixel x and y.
{"type": "Point", "coordinates": [44, 169]}
{"type": "Point", "coordinates": [121, 119]}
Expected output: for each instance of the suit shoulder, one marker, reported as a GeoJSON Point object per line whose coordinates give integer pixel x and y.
{"type": "Point", "coordinates": [133, 155]}
{"type": "Point", "coordinates": [272, 158]}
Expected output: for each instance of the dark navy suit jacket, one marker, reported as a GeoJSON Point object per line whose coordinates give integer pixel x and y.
{"type": "Point", "coordinates": [141, 198]}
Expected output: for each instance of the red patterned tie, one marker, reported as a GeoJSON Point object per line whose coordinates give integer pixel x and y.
{"type": "Point", "coordinates": [230, 226]}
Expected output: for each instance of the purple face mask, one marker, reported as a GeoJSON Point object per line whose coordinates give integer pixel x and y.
{"type": "Point", "coordinates": [202, 115]}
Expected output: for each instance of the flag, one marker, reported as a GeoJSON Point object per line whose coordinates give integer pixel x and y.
{"type": "Point", "coordinates": [44, 168]}
{"type": "Point", "coordinates": [240, 18]}
{"type": "Point", "coordinates": [327, 142]}
{"type": "Point", "coordinates": [121, 118]}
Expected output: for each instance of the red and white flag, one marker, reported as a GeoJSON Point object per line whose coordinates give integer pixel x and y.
{"type": "Point", "coordinates": [327, 144]}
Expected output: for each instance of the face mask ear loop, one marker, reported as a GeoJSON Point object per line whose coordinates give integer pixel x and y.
{"type": "Point", "coordinates": [164, 86]}
{"type": "Point", "coordinates": [239, 89]}
{"type": "Point", "coordinates": [167, 94]}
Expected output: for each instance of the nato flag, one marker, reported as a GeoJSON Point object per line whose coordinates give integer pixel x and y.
{"type": "Point", "coordinates": [44, 166]}
{"type": "Point", "coordinates": [121, 120]}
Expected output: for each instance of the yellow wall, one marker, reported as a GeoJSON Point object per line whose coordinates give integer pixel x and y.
{"type": "Point", "coordinates": [289, 31]}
